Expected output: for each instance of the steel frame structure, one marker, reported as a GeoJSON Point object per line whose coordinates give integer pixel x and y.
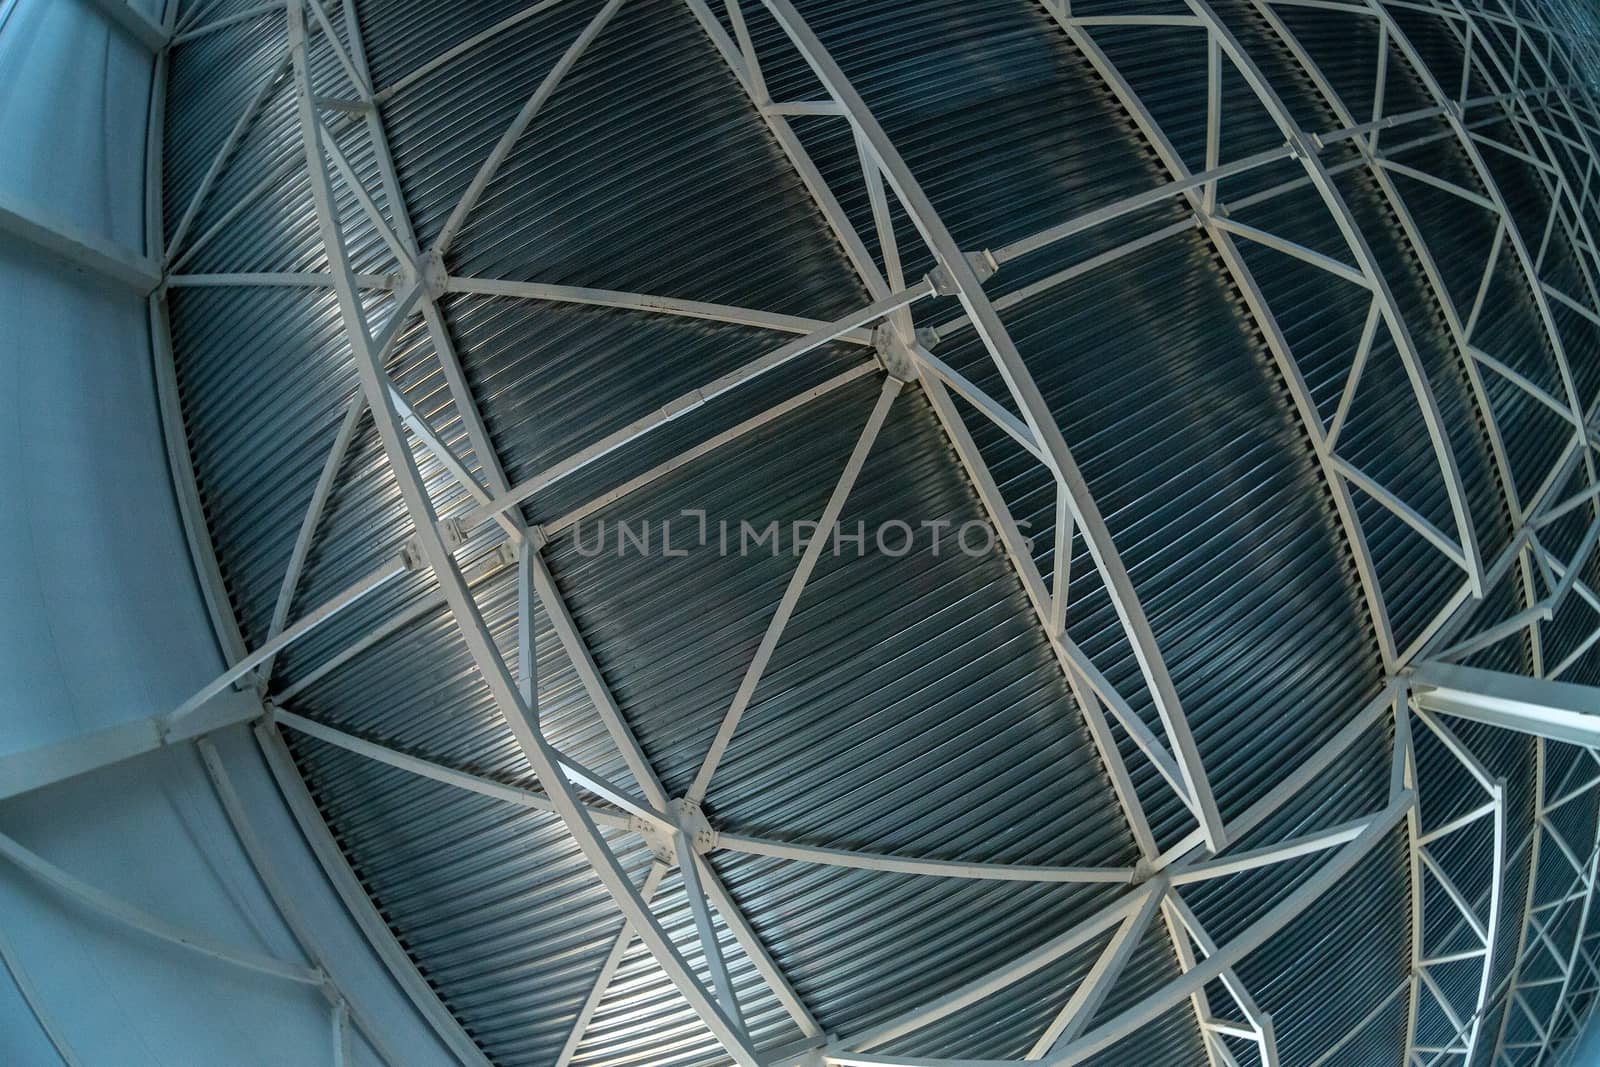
{"type": "Point", "coordinates": [1538, 941]}
{"type": "Point", "coordinates": [886, 330]}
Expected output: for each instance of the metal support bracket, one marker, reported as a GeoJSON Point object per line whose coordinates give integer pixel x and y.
{"type": "Point", "coordinates": [894, 354]}
{"type": "Point", "coordinates": [689, 822]}
{"type": "Point", "coordinates": [693, 824]}
{"type": "Point", "coordinates": [982, 262]}
{"type": "Point", "coordinates": [432, 275]}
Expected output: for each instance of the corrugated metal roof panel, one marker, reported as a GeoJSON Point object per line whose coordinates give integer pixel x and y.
{"type": "Point", "coordinates": [913, 705]}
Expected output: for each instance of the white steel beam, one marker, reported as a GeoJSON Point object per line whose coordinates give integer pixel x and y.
{"type": "Point", "coordinates": [1323, 439]}
{"type": "Point", "coordinates": [1555, 182]}
{"type": "Point", "coordinates": [279, 279]}
{"type": "Point", "coordinates": [1460, 333]}
{"type": "Point", "coordinates": [308, 526]}
{"type": "Point", "coordinates": [1322, 181]}
{"type": "Point", "coordinates": [1261, 1029]}
{"type": "Point", "coordinates": [791, 594]}
{"type": "Point", "coordinates": [48, 874]}
{"type": "Point", "coordinates": [483, 36]}
{"type": "Point", "coordinates": [706, 931]}
{"type": "Point", "coordinates": [659, 305]}
{"type": "Point", "coordinates": [1203, 204]}
{"type": "Point", "coordinates": [1002, 976]}
{"type": "Point", "coordinates": [547, 87]}
{"type": "Point", "coordinates": [759, 846]}
{"type": "Point", "coordinates": [742, 60]}
{"type": "Point", "coordinates": [1152, 1007]}
{"type": "Point", "coordinates": [434, 771]}
{"type": "Point", "coordinates": [533, 574]}
{"type": "Point", "coordinates": [1237, 862]}
{"type": "Point", "coordinates": [1578, 229]}
{"type": "Point", "coordinates": [869, 861]}
{"type": "Point", "coordinates": [708, 446]}
{"type": "Point", "coordinates": [284, 898]}
{"type": "Point", "coordinates": [996, 980]}
{"type": "Point", "coordinates": [39, 229]}
{"type": "Point", "coordinates": [343, 879]}
{"type": "Point", "coordinates": [222, 22]}
{"type": "Point", "coordinates": [696, 398]}
{"type": "Point", "coordinates": [235, 135]}
{"type": "Point", "coordinates": [608, 970]}
{"type": "Point", "coordinates": [1559, 711]}
{"type": "Point", "coordinates": [1581, 892]}
{"type": "Point", "coordinates": [136, 24]}
{"type": "Point", "coordinates": [1253, 936]}
{"type": "Point", "coordinates": [1468, 1032]}
{"type": "Point", "coordinates": [1075, 1014]}
{"type": "Point", "coordinates": [755, 951]}
{"type": "Point", "coordinates": [226, 626]}
{"type": "Point", "coordinates": [1558, 896]}
{"type": "Point", "coordinates": [1511, 234]}
{"type": "Point", "coordinates": [362, 587]}
{"type": "Point", "coordinates": [469, 620]}
{"type": "Point", "coordinates": [746, 67]}
{"type": "Point", "coordinates": [969, 290]}
{"type": "Point", "coordinates": [1070, 659]}
{"type": "Point", "coordinates": [30, 769]}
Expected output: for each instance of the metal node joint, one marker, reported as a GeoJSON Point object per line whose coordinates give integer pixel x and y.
{"type": "Point", "coordinates": [657, 836]}
{"type": "Point", "coordinates": [454, 532]}
{"type": "Point", "coordinates": [688, 821]}
{"type": "Point", "coordinates": [693, 825]}
{"type": "Point", "coordinates": [432, 275]}
{"type": "Point", "coordinates": [411, 555]}
{"type": "Point", "coordinates": [504, 555]}
{"type": "Point", "coordinates": [1301, 147]}
{"type": "Point", "coordinates": [895, 353]}
{"type": "Point", "coordinates": [982, 262]}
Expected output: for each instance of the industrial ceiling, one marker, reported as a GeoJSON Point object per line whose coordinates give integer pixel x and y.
{"type": "Point", "coordinates": [1210, 387]}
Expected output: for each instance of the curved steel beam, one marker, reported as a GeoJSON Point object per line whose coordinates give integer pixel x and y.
{"type": "Point", "coordinates": [532, 575]}
{"type": "Point", "coordinates": [1536, 936]}
{"type": "Point", "coordinates": [437, 555]}
{"type": "Point", "coordinates": [1562, 94]}
{"type": "Point", "coordinates": [1367, 263]}
{"type": "Point", "coordinates": [1468, 1031]}
{"type": "Point", "coordinates": [1551, 176]}
{"type": "Point", "coordinates": [745, 64]}
{"type": "Point", "coordinates": [1201, 198]}
{"type": "Point", "coordinates": [1514, 239]}
{"type": "Point", "coordinates": [226, 627]}
{"type": "Point", "coordinates": [1202, 202]}
{"type": "Point", "coordinates": [1041, 422]}
{"type": "Point", "coordinates": [1536, 22]}
{"type": "Point", "coordinates": [1569, 46]}
{"type": "Point", "coordinates": [1534, 840]}
{"type": "Point", "coordinates": [1514, 236]}
{"type": "Point", "coordinates": [1414, 238]}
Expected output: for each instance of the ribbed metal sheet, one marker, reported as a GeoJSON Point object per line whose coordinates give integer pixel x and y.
{"type": "Point", "coordinates": [914, 705]}
{"type": "Point", "coordinates": [643, 1019]}
{"type": "Point", "coordinates": [1186, 455]}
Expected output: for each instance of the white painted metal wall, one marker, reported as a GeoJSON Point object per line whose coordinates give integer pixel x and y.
{"type": "Point", "coordinates": [102, 623]}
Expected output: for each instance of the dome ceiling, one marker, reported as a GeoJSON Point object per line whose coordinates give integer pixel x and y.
{"type": "Point", "coordinates": [1169, 381]}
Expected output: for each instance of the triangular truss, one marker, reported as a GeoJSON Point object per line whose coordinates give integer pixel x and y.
{"type": "Point", "coordinates": [1454, 931]}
